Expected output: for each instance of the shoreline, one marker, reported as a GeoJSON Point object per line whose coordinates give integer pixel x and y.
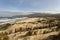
{"type": "Point", "coordinates": [5, 21]}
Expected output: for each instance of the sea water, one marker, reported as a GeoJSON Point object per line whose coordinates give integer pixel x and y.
{"type": "Point", "coordinates": [6, 20]}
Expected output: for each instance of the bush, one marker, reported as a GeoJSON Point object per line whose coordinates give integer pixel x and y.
{"type": "Point", "coordinates": [53, 37]}
{"type": "Point", "coordinates": [29, 33]}
{"type": "Point", "coordinates": [5, 26]}
{"type": "Point", "coordinates": [35, 33]}
{"type": "Point", "coordinates": [3, 36]}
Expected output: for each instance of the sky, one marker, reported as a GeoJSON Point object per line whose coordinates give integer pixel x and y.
{"type": "Point", "coordinates": [29, 5]}
{"type": "Point", "coordinates": [7, 7]}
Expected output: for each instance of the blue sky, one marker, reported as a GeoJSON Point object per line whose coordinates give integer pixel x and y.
{"type": "Point", "coordinates": [29, 5]}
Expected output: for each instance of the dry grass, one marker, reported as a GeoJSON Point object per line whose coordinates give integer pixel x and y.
{"type": "Point", "coordinates": [32, 29]}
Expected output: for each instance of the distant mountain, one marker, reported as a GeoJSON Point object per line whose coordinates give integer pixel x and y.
{"type": "Point", "coordinates": [27, 14]}
{"type": "Point", "coordinates": [34, 14]}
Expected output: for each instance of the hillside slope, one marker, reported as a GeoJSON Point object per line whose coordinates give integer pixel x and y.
{"type": "Point", "coordinates": [39, 28]}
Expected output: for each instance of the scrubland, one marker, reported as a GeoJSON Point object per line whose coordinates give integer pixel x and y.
{"type": "Point", "coordinates": [39, 28]}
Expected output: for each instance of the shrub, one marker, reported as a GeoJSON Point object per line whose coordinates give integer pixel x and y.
{"type": "Point", "coordinates": [5, 26]}
{"type": "Point", "coordinates": [3, 36]}
{"type": "Point", "coordinates": [29, 33]}
{"type": "Point", "coordinates": [35, 33]}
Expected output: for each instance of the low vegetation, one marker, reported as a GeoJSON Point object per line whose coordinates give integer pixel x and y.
{"type": "Point", "coordinates": [35, 28]}
{"type": "Point", "coordinates": [5, 26]}
{"type": "Point", "coordinates": [3, 36]}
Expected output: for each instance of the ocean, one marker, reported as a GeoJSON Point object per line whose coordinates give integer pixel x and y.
{"type": "Point", "coordinates": [9, 20]}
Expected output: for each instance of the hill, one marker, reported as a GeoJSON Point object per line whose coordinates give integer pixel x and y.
{"type": "Point", "coordinates": [39, 28]}
{"type": "Point", "coordinates": [34, 14]}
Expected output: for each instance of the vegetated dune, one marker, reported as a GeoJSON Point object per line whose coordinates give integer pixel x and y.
{"type": "Point", "coordinates": [38, 28]}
